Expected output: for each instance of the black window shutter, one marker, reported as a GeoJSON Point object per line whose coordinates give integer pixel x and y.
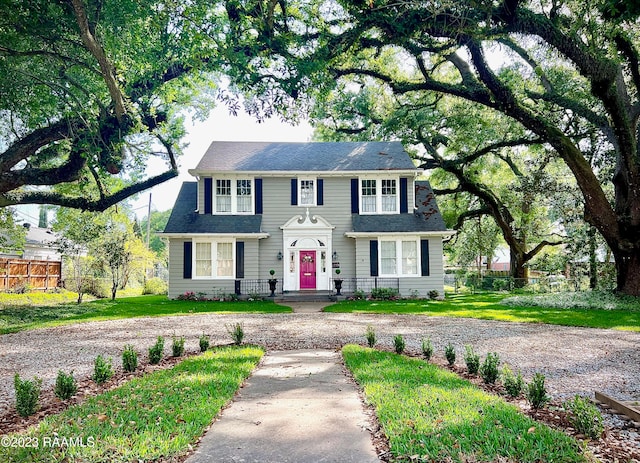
{"type": "Point", "coordinates": [258, 198]}
{"type": "Point", "coordinates": [373, 257]}
{"type": "Point", "coordinates": [320, 198]}
{"type": "Point", "coordinates": [404, 197]}
{"type": "Point", "coordinates": [239, 259]}
{"type": "Point", "coordinates": [355, 207]}
{"type": "Point", "coordinates": [424, 257]}
{"type": "Point", "coordinates": [294, 191]}
{"type": "Point", "coordinates": [187, 262]}
{"type": "Point", "coordinates": [208, 195]}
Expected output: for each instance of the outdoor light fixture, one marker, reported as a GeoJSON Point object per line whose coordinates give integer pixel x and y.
{"type": "Point", "coordinates": [279, 255]}
{"type": "Point", "coordinates": [335, 255]}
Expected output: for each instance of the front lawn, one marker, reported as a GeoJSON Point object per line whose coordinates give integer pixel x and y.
{"type": "Point", "coordinates": [430, 414]}
{"type": "Point", "coordinates": [158, 416]}
{"type": "Point", "coordinates": [489, 306]}
{"type": "Point", "coordinates": [22, 317]}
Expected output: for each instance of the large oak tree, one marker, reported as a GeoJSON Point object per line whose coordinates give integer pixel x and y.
{"type": "Point", "coordinates": [575, 60]}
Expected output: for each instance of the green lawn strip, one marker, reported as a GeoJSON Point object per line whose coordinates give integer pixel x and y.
{"type": "Point", "coordinates": [488, 306]}
{"type": "Point", "coordinates": [430, 414]}
{"type": "Point", "coordinates": [18, 318]}
{"type": "Point", "coordinates": [156, 416]}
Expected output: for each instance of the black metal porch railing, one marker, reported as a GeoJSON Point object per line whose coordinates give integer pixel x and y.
{"type": "Point", "coordinates": [257, 287]}
{"type": "Point", "coordinates": [366, 285]}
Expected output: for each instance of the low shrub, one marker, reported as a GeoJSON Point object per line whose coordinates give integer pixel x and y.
{"type": "Point", "coordinates": [370, 334]}
{"type": "Point", "coordinates": [472, 360]}
{"type": "Point", "coordinates": [450, 354]}
{"type": "Point", "coordinates": [129, 359]}
{"type": "Point", "coordinates": [514, 384]}
{"type": "Point", "coordinates": [236, 331]}
{"type": "Point", "coordinates": [384, 294]}
{"type": "Point", "coordinates": [204, 342]}
{"type": "Point", "coordinates": [537, 392]}
{"type": "Point", "coordinates": [177, 346]}
{"type": "Point", "coordinates": [358, 295]}
{"type": "Point", "coordinates": [398, 344]}
{"type": "Point", "coordinates": [156, 351]}
{"type": "Point", "coordinates": [155, 286]}
{"type": "Point", "coordinates": [27, 395]}
{"type": "Point", "coordinates": [187, 296]}
{"type": "Point", "coordinates": [489, 369]}
{"type": "Point", "coordinates": [433, 294]}
{"type": "Point", "coordinates": [66, 385]}
{"type": "Point", "coordinates": [102, 370]}
{"type": "Point", "coordinates": [427, 348]}
{"type": "Point", "coordinates": [585, 417]}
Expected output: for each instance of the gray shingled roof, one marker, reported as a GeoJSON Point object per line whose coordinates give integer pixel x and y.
{"type": "Point", "coordinates": [426, 217]}
{"type": "Point", "coordinates": [303, 157]}
{"type": "Point", "coordinates": [184, 219]}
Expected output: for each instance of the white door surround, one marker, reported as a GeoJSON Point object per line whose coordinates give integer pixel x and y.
{"type": "Point", "coordinates": [306, 233]}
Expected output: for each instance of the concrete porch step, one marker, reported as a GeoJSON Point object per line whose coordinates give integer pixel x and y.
{"type": "Point", "coordinates": [304, 296]}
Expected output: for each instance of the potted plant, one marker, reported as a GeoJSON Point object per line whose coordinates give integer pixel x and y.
{"type": "Point", "coordinates": [272, 283]}
{"type": "Point", "coordinates": [338, 282]}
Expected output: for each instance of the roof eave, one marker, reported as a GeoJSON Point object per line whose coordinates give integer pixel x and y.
{"type": "Point", "coordinates": [288, 173]}
{"type": "Point", "coordinates": [259, 236]}
{"type": "Point", "coordinates": [441, 233]}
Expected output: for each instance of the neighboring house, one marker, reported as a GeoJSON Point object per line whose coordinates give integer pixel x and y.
{"type": "Point", "coordinates": [303, 210]}
{"type": "Point", "coordinates": [39, 245]}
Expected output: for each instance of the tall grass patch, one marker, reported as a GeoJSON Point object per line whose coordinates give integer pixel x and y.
{"type": "Point", "coordinates": [433, 414]}
{"type": "Point", "coordinates": [155, 417]}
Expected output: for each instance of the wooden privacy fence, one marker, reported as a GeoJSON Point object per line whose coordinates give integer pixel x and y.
{"type": "Point", "coordinates": [33, 274]}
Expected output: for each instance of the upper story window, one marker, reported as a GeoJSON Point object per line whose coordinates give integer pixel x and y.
{"type": "Point", "coordinates": [307, 192]}
{"type": "Point", "coordinates": [379, 196]}
{"type": "Point", "coordinates": [233, 196]}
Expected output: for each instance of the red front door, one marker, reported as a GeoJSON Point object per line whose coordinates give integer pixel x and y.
{"type": "Point", "coordinates": [307, 270]}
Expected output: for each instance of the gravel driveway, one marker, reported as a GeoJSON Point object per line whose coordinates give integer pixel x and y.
{"type": "Point", "coordinates": [574, 360]}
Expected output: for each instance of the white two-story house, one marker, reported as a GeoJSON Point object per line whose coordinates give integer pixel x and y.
{"type": "Point", "coordinates": [305, 210]}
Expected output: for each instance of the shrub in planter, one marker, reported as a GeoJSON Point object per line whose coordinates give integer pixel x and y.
{"type": "Point", "coordinates": [27, 395]}
{"type": "Point", "coordinates": [450, 354]}
{"type": "Point", "coordinates": [177, 346]}
{"type": "Point", "coordinates": [102, 370]}
{"type": "Point", "coordinates": [204, 342]}
{"type": "Point", "coordinates": [471, 359]}
{"type": "Point", "coordinates": [537, 392]}
{"type": "Point", "coordinates": [66, 385]}
{"type": "Point", "coordinates": [156, 351]}
{"type": "Point", "coordinates": [489, 369]}
{"type": "Point", "coordinates": [129, 359]}
{"type": "Point", "coordinates": [585, 417]}
{"type": "Point", "coordinates": [398, 344]}
{"type": "Point", "coordinates": [370, 334]}
{"type": "Point", "coordinates": [427, 348]}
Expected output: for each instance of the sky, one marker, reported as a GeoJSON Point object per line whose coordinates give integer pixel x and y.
{"type": "Point", "coordinates": [220, 126]}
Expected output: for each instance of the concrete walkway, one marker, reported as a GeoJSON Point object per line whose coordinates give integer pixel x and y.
{"type": "Point", "coordinates": [298, 407]}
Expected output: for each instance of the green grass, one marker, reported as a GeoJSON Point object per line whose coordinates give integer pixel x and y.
{"type": "Point", "coordinates": [430, 414]}
{"type": "Point", "coordinates": [156, 416]}
{"type": "Point", "coordinates": [489, 306]}
{"type": "Point", "coordinates": [22, 317]}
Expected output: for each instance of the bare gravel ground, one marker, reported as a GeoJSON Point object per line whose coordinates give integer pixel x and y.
{"type": "Point", "coordinates": [574, 360]}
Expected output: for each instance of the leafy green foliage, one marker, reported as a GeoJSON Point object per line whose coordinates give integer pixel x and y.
{"type": "Point", "coordinates": [433, 413]}
{"type": "Point", "coordinates": [513, 384]}
{"type": "Point", "coordinates": [384, 294]}
{"type": "Point", "coordinates": [129, 358]}
{"type": "Point", "coordinates": [177, 346]}
{"type": "Point", "coordinates": [489, 369]}
{"type": "Point", "coordinates": [427, 348]}
{"type": "Point", "coordinates": [398, 343]}
{"type": "Point", "coordinates": [162, 413]}
{"type": "Point", "coordinates": [236, 331]}
{"type": "Point", "coordinates": [155, 286]}
{"type": "Point", "coordinates": [450, 354]}
{"type": "Point", "coordinates": [156, 352]}
{"type": "Point", "coordinates": [203, 342]}
{"type": "Point", "coordinates": [66, 385]}
{"type": "Point", "coordinates": [585, 417]}
{"type": "Point", "coordinates": [370, 334]}
{"type": "Point", "coordinates": [471, 359]}
{"type": "Point", "coordinates": [102, 370]}
{"type": "Point", "coordinates": [537, 392]}
{"type": "Point", "coordinates": [27, 395]}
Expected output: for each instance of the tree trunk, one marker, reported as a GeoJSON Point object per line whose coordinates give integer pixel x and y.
{"type": "Point", "coordinates": [593, 262]}
{"type": "Point", "coordinates": [628, 268]}
{"type": "Point", "coordinates": [519, 272]}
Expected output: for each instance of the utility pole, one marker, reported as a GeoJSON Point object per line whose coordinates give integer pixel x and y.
{"type": "Point", "coordinates": [149, 221]}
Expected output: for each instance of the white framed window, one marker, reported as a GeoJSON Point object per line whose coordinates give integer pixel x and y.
{"type": "Point", "coordinates": [399, 257]}
{"type": "Point", "coordinates": [214, 259]}
{"type": "Point", "coordinates": [234, 196]}
{"type": "Point", "coordinates": [379, 196]}
{"type": "Point", "coordinates": [307, 192]}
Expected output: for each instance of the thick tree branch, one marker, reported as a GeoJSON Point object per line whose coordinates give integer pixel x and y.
{"type": "Point", "coordinates": [470, 215]}
{"type": "Point", "coordinates": [540, 246]}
